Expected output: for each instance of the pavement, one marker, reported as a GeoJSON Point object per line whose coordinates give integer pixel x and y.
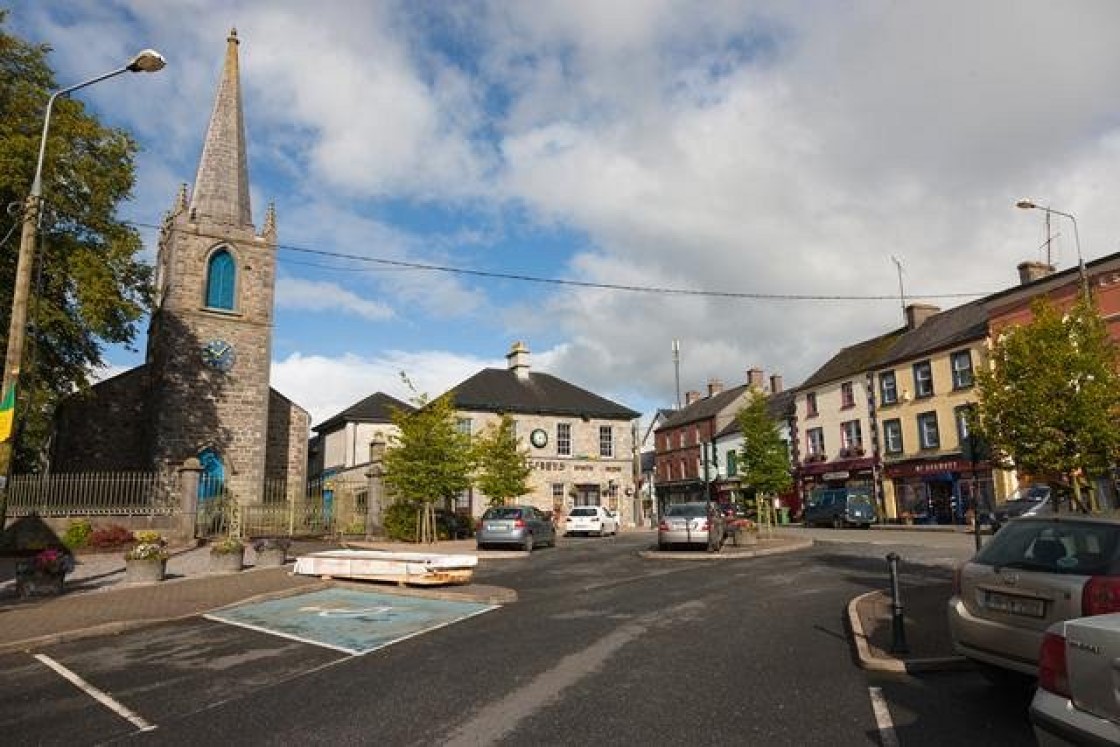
{"type": "Point", "coordinates": [97, 601]}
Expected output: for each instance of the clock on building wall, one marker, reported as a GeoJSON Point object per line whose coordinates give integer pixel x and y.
{"type": "Point", "coordinates": [538, 438]}
{"type": "Point", "coordinates": [219, 355]}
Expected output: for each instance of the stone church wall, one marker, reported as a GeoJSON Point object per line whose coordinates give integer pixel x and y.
{"type": "Point", "coordinates": [104, 429]}
{"type": "Point", "coordinates": [286, 456]}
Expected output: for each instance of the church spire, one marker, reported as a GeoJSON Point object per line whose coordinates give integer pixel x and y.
{"type": "Point", "coordinates": [221, 189]}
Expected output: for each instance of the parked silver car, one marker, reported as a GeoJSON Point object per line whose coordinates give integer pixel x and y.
{"type": "Point", "coordinates": [1037, 571]}
{"type": "Point", "coordinates": [524, 526]}
{"type": "Point", "coordinates": [696, 523]}
{"type": "Point", "coordinates": [1077, 701]}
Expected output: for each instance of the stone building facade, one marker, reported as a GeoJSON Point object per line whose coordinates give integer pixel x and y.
{"type": "Point", "coordinates": [203, 392]}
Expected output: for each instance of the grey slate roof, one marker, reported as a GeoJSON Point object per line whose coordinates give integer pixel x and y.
{"type": "Point", "coordinates": [502, 390]}
{"type": "Point", "coordinates": [854, 359]}
{"type": "Point", "coordinates": [946, 329]}
{"type": "Point", "coordinates": [376, 408]}
{"type": "Point", "coordinates": [704, 408]}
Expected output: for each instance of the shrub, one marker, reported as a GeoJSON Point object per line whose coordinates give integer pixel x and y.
{"type": "Point", "coordinates": [227, 545]}
{"type": "Point", "coordinates": [111, 537]}
{"type": "Point", "coordinates": [150, 545]}
{"type": "Point", "coordinates": [400, 520]}
{"type": "Point", "coordinates": [77, 534]}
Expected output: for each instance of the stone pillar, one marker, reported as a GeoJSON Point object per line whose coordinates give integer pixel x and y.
{"type": "Point", "coordinates": [375, 503]}
{"type": "Point", "coordinates": [189, 475]}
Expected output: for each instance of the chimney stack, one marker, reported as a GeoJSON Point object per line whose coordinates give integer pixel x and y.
{"type": "Point", "coordinates": [775, 383]}
{"type": "Point", "coordinates": [691, 397]}
{"type": "Point", "coordinates": [1032, 271]}
{"type": "Point", "coordinates": [918, 313]}
{"type": "Point", "coordinates": [755, 378]}
{"type": "Point", "coordinates": [517, 360]}
{"type": "Point", "coordinates": [715, 386]}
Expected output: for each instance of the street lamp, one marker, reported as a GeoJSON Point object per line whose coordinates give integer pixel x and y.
{"type": "Point", "coordinates": [1031, 205]}
{"type": "Point", "coordinates": [147, 61]}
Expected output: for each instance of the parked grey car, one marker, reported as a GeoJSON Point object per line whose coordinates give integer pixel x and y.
{"type": "Point", "coordinates": [696, 523]}
{"type": "Point", "coordinates": [1037, 571]}
{"type": "Point", "coordinates": [1077, 701]}
{"type": "Point", "coordinates": [840, 507]}
{"type": "Point", "coordinates": [524, 526]}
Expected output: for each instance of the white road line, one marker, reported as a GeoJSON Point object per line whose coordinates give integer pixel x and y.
{"type": "Point", "coordinates": [98, 695]}
{"type": "Point", "coordinates": [887, 737]}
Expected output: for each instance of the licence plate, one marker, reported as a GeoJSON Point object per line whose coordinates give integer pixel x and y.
{"type": "Point", "coordinates": [497, 528]}
{"type": "Point", "coordinates": [1013, 605]}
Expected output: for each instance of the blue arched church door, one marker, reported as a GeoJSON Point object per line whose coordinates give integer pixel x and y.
{"type": "Point", "coordinates": [212, 479]}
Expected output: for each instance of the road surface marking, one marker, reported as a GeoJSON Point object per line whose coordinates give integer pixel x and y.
{"type": "Point", "coordinates": [887, 737]}
{"type": "Point", "coordinates": [98, 695]}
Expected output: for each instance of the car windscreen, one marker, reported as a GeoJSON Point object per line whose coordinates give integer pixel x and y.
{"type": "Point", "coordinates": [1086, 548]}
{"type": "Point", "coordinates": [687, 510]}
{"type": "Point", "coordinates": [583, 512]}
{"type": "Point", "coordinates": [502, 512]}
{"type": "Point", "coordinates": [859, 499]}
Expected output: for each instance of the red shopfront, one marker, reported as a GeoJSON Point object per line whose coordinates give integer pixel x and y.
{"type": "Point", "coordinates": [939, 491]}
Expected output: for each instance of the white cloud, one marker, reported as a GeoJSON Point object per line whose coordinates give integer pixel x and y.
{"type": "Point", "coordinates": [304, 295]}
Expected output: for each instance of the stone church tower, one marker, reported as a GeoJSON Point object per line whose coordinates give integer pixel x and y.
{"type": "Point", "coordinates": [203, 391]}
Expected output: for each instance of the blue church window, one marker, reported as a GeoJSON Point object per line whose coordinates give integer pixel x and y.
{"type": "Point", "coordinates": [220, 277]}
{"type": "Point", "coordinates": [211, 481]}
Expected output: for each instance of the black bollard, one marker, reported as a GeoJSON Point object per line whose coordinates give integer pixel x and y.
{"type": "Point", "coordinates": [898, 630]}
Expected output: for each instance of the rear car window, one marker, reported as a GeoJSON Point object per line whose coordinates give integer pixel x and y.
{"type": "Point", "coordinates": [583, 512]}
{"type": "Point", "coordinates": [1056, 546]}
{"type": "Point", "coordinates": [687, 509]}
{"type": "Point", "coordinates": [502, 512]}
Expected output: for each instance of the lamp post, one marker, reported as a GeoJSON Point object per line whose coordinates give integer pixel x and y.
{"type": "Point", "coordinates": [147, 61]}
{"type": "Point", "coordinates": [1031, 205]}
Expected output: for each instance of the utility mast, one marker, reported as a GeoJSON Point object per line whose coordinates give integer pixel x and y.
{"type": "Point", "coordinates": [901, 290]}
{"type": "Point", "coordinates": [677, 368]}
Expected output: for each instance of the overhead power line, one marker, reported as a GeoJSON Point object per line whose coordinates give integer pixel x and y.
{"type": "Point", "coordinates": [750, 295]}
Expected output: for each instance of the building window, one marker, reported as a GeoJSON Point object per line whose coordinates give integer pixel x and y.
{"type": "Point", "coordinates": [928, 437]}
{"type": "Point", "coordinates": [962, 369]}
{"type": "Point", "coordinates": [847, 395]}
{"type": "Point", "coordinates": [732, 463]}
{"type": "Point", "coordinates": [888, 388]}
{"type": "Point", "coordinates": [815, 441]}
{"type": "Point", "coordinates": [606, 441]}
{"type": "Point", "coordinates": [684, 469]}
{"type": "Point", "coordinates": [680, 439]}
{"type": "Point", "coordinates": [557, 494]}
{"type": "Point", "coordinates": [220, 280]}
{"type": "Point", "coordinates": [892, 436]}
{"type": "Point", "coordinates": [464, 426]}
{"type": "Point", "coordinates": [923, 379]}
{"type": "Point", "coordinates": [811, 404]}
{"type": "Point", "coordinates": [851, 437]}
{"type": "Point", "coordinates": [564, 439]}
{"type": "Point", "coordinates": [960, 414]}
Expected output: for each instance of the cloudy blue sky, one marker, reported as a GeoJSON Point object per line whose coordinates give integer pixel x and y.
{"type": "Point", "coordinates": [742, 151]}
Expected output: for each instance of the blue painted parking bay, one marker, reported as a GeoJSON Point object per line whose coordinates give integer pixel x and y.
{"type": "Point", "coordinates": [348, 620]}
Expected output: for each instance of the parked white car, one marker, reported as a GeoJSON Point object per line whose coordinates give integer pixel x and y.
{"type": "Point", "coordinates": [590, 520]}
{"type": "Point", "coordinates": [1077, 701]}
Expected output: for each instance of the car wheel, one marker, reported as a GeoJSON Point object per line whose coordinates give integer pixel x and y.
{"type": "Point", "coordinates": [528, 543]}
{"type": "Point", "coordinates": [479, 546]}
{"type": "Point", "coordinates": [837, 522]}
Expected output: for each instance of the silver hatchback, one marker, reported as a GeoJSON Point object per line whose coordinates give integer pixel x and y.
{"type": "Point", "coordinates": [524, 526]}
{"type": "Point", "coordinates": [1038, 570]}
{"type": "Point", "coordinates": [696, 523]}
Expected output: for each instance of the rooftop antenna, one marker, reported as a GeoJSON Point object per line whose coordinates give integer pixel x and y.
{"type": "Point", "coordinates": [901, 290]}
{"type": "Point", "coordinates": [677, 368]}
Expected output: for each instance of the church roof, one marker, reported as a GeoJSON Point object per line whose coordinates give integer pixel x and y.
{"type": "Point", "coordinates": [221, 188]}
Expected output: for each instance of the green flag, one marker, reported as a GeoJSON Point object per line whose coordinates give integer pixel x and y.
{"type": "Point", "coordinates": [7, 413]}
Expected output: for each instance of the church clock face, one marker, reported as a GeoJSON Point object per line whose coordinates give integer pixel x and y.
{"type": "Point", "coordinates": [218, 355]}
{"type": "Point", "coordinates": [538, 438]}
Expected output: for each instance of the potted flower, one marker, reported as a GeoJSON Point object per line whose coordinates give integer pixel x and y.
{"type": "Point", "coordinates": [227, 555]}
{"type": "Point", "coordinates": [146, 561]}
{"type": "Point", "coordinates": [43, 573]}
{"type": "Point", "coordinates": [271, 551]}
{"type": "Point", "coordinates": [744, 532]}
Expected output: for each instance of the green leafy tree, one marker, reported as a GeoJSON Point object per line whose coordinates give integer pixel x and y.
{"type": "Point", "coordinates": [503, 468]}
{"type": "Point", "coordinates": [432, 459]}
{"type": "Point", "coordinates": [764, 457]}
{"type": "Point", "coordinates": [90, 287]}
{"type": "Point", "coordinates": [1050, 401]}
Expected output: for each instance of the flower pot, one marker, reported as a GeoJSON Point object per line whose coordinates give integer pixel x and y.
{"type": "Point", "coordinates": [144, 570]}
{"type": "Point", "coordinates": [271, 556]}
{"type": "Point", "coordinates": [39, 583]}
{"type": "Point", "coordinates": [227, 562]}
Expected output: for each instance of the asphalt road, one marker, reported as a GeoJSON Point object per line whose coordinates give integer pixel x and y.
{"type": "Point", "coordinates": [603, 647]}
